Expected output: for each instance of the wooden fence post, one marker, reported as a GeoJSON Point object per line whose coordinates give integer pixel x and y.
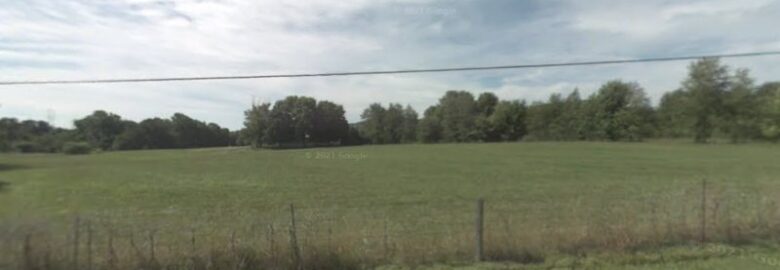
{"type": "Point", "coordinates": [76, 229]}
{"type": "Point", "coordinates": [27, 259]}
{"type": "Point", "coordinates": [152, 258]}
{"type": "Point", "coordinates": [385, 243]}
{"type": "Point", "coordinates": [272, 243]}
{"type": "Point", "coordinates": [296, 252]}
{"type": "Point", "coordinates": [193, 249]}
{"type": "Point", "coordinates": [112, 259]}
{"type": "Point", "coordinates": [47, 255]}
{"type": "Point", "coordinates": [89, 244]}
{"type": "Point", "coordinates": [703, 211]}
{"type": "Point", "coordinates": [480, 222]}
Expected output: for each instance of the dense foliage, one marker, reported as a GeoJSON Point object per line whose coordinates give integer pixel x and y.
{"type": "Point", "coordinates": [106, 131]}
{"type": "Point", "coordinates": [712, 102]}
{"type": "Point", "coordinates": [32, 136]}
{"type": "Point", "coordinates": [296, 122]}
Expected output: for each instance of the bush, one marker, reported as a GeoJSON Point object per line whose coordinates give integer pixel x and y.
{"type": "Point", "coordinates": [47, 143]}
{"type": "Point", "coordinates": [25, 147]}
{"type": "Point", "coordinates": [76, 148]}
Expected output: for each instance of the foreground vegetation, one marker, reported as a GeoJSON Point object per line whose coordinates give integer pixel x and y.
{"type": "Point", "coordinates": [596, 204]}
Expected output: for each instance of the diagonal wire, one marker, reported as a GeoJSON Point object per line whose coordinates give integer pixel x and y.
{"type": "Point", "coordinates": [400, 71]}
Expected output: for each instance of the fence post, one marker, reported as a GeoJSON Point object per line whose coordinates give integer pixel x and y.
{"type": "Point", "coordinates": [151, 246]}
{"type": "Point", "coordinates": [47, 256]}
{"type": "Point", "coordinates": [89, 244]}
{"type": "Point", "coordinates": [480, 218]}
{"type": "Point", "coordinates": [296, 252]}
{"type": "Point", "coordinates": [385, 247]}
{"type": "Point", "coordinates": [272, 243]}
{"type": "Point", "coordinates": [233, 248]}
{"type": "Point", "coordinates": [112, 259]}
{"type": "Point", "coordinates": [27, 259]}
{"type": "Point", "coordinates": [76, 225]}
{"type": "Point", "coordinates": [703, 210]}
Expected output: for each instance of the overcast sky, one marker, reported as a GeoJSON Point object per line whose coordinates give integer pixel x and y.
{"type": "Point", "coordinates": [90, 39]}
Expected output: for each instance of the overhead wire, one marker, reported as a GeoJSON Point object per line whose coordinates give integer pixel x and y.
{"type": "Point", "coordinates": [380, 72]}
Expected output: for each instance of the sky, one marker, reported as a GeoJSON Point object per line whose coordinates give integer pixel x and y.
{"type": "Point", "coordinates": [104, 39]}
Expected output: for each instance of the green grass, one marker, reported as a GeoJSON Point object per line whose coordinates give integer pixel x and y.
{"type": "Point", "coordinates": [550, 198]}
{"type": "Point", "coordinates": [209, 180]}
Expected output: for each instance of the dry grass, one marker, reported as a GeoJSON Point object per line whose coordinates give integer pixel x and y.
{"type": "Point", "coordinates": [331, 242]}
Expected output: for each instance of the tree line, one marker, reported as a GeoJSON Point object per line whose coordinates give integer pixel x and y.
{"type": "Point", "coordinates": [712, 102]}
{"type": "Point", "coordinates": [107, 131]}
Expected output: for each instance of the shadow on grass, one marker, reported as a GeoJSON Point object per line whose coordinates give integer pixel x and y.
{"type": "Point", "coordinates": [10, 167]}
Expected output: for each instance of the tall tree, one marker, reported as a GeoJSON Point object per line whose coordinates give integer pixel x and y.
{"type": "Point", "coordinates": [256, 123]}
{"type": "Point", "coordinates": [769, 107]}
{"type": "Point", "coordinates": [281, 128]}
{"type": "Point", "coordinates": [372, 127]}
{"type": "Point", "coordinates": [542, 115]}
{"type": "Point", "coordinates": [508, 119]}
{"type": "Point", "coordinates": [741, 110]}
{"type": "Point", "coordinates": [429, 130]}
{"type": "Point", "coordinates": [673, 118]}
{"type": "Point", "coordinates": [409, 127]}
{"type": "Point", "coordinates": [486, 103]}
{"type": "Point", "coordinates": [330, 125]}
{"type": "Point", "coordinates": [393, 123]}
{"type": "Point", "coordinates": [458, 110]}
{"type": "Point", "coordinates": [100, 128]}
{"type": "Point", "coordinates": [623, 111]}
{"type": "Point", "coordinates": [569, 124]}
{"type": "Point", "coordinates": [706, 83]}
{"type": "Point", "coordinates": [303, 118]}
{"type": "Point", "coordinates": [292, 121]}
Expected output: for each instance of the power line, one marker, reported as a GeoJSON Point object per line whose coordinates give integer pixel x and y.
{"type": "Point", "coordinates": [400, 71]}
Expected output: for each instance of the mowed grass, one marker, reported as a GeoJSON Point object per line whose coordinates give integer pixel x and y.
{"type": "Point", "coordinates": [533, 191]}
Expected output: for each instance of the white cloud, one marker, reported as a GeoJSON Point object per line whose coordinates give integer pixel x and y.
{"type": "Point", "coordinates": [649, 19]}
{"type": "Point", "coordinates": [81, 39]}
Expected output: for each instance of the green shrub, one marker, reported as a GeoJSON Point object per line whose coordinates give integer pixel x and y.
{"type": "Point", "coordinates": [76, 148]}
{"type": "Point", "coordinates": [25, 147]}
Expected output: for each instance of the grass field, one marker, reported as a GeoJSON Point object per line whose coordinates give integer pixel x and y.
{"type": "Point", "coordinates": [546, 203]}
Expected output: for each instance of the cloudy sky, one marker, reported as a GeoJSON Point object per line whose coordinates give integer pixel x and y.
{"type": "Point", "coordinates": [100, 39]}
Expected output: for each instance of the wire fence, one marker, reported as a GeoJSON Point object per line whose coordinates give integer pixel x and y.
{"type": "Point", "coordinates": [306, 236]}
